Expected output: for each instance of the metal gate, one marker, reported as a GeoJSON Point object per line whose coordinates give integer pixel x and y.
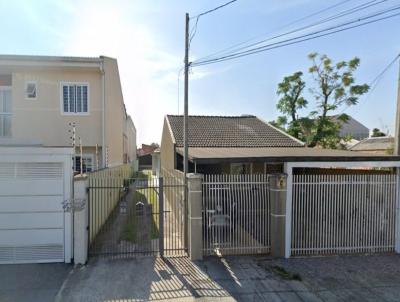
{"type": "Point", "coordinates": [136, 216]}
{"type": "Point", "coordinates": [236, 214]}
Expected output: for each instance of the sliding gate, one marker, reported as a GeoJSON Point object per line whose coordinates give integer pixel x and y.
{"type": "Point", "coordinates": [236, 215]}
{"type": "Point", "coordinates": [141, 216]}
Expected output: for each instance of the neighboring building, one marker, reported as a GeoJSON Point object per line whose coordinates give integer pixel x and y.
{"type": "Point", "coordinates": [353, 128]}
{"type": "Point", "coordinates": [378, 145]}
{"type": "Point", "coordinates": [144, 155]}
{"type": "Point", "coordinates": [223, 144]}
{"type": "Point", "coordinates": [41, 96]}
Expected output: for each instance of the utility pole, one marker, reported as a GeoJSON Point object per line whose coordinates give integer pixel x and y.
{"type": "Point", "coordinates": [397, 129]}
{"type": "Point", "coordinates": [186, 96]}
{"type": "Point", "coordinates": [185, 129]}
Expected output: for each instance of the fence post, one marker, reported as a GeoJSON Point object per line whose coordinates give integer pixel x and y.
{"type": "Point", "coordinates": [277, 193]}
{"type": "Point", "coordinates": [161, 215]}
{"type": "Point", "coordinates": [195, 217]}
{"type": "Point", "coordinates": [81, 184]}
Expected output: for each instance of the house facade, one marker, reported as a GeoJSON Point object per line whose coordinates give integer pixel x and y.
{"type": "Point", "coordinates": [224, 145]}
{"type": "Point", "coordinates": [43, 98]}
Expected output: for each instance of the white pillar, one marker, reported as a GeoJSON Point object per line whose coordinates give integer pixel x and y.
{"type": "Point", "coordinates": [277, 193]}
{"type": "Point", "coordinates": [288, 169]}
{"type": "Point", "coordinates": [81, 184]}
{"type": "Point", "coordinates": [195, 223]}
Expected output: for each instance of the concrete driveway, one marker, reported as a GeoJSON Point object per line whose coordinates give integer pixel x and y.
{"type": "Point", "coordinates": [362, 278]}
{"type": "Point", "coordinates": [32, 282]}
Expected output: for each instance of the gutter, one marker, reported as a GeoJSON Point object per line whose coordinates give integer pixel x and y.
{"type": "Point", "coordinates": [103, 100]}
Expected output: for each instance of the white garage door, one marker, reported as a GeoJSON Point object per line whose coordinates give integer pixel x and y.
{"type": "Point", "coordinates": [33, 224]}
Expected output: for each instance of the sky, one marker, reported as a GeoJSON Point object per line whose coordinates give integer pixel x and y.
{"type": "Point", "coordinates": [147, 39]}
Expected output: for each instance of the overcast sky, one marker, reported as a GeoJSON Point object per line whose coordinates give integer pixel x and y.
{"type": "Point", "coordinates": [147, 38]}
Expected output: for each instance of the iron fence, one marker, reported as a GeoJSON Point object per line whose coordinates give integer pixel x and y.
{"type": "Point", "coordinates": [134, 216]}
{"type": "Point", "coordinates": [335, 214]}
{"type": "Point", "coordinates": [236, 214]}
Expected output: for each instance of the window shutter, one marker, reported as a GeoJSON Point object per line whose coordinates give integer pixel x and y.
{"type": "Point", "coordinates": [65, 98]}
{"type": "Point", "coordinates": [85, 98]}
{"type": "Point", "coordinates": [72, 98]}
{"type": "Point", "coordinates": [78, 98]}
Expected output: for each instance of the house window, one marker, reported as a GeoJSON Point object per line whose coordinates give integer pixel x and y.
{"type": "Point", "coordinates": [30, 90]}
{"type": "Point", "coordinates": [75, 98]}
{"type": "Point", "coordinates": [240, 168]}
{"type": "Point", "coordinates": [5, 111]}
{"type": "Point", "coordinates": [87, 163]}
{"type": "Point", "coordinates": [270, 168]}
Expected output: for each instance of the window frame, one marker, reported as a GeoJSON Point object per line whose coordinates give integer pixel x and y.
{"type": "Point", "coordinates": [250, 165]}
{"type": "Point", "coordinates": [25, 90]}
{"type": "Point", "coordinates": [84, 155]}
{"type": "Point", "coordinates": [69, 83]}
{"type": "Point", "coordinates": [10, 114]}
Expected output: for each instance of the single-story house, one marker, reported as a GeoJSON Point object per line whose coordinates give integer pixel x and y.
{"type": "Point", "coordinates": [240, 145]}
{"type": "Point", "coordinates": [377, 145]}
{"type": "Point", "coordinates": [144, 155]}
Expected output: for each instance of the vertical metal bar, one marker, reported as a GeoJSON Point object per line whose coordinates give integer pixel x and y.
{"type": "Point", "coordinates": [161, 215]}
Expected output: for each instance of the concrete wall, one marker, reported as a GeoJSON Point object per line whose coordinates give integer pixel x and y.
{"type": "Point", "coordinates": [115, 113]}
{"type": "Point", "coordinates": [131, 140]}
{"type": "Point", "coordinates": [167, 149]}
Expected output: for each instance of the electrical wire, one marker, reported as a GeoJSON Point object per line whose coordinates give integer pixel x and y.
{"type": "Point", "coordinates": [214, 9]}
{"type": "Point", "coordinates": [341, 14]}
{"type": "Point", "coordinates": [301, 38]}
{"type": "Point", "coordinates": [234, 48]}
{"type": "Point", "coordinates": [375, 82]}
{"type": "Point", "coordinates": [194, 29]}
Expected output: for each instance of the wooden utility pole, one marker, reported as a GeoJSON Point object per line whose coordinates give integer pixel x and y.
{"type": "Point", "coordinates": [396, 150]}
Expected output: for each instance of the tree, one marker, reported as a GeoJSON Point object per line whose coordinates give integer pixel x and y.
{"type": "Point", "coordinates": [155, 145]}
{"type": "Point", "coordinates": [333, 88]}
{"type": "Point", "coordinates": [291, 101]}
{"type": "Point", "coordinates": [377, 133]}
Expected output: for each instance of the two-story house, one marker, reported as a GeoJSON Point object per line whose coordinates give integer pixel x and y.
{"type": "Point", "coordinates": [42, 97]}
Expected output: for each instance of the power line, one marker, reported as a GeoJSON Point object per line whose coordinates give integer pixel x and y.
{"type": "Point", "coordinates": [339, 15]}
{"type": "Point", "coordinates": [194, 29]}
{"type": "Point", "coordinates": [374, 83]}
{"type": "Point", "coordinates": [301, 38]}
{"type": "Point", "coordinates": [214, 9]}
{"type": "Point", "coordinates": [225, 50]}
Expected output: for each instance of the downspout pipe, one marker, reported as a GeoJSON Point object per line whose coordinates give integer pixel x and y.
{"type": "Point", "coordinates": [103, 100]}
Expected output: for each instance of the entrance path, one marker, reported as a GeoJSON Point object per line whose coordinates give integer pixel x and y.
{"type": "Point", "coordinates": [362, 278]}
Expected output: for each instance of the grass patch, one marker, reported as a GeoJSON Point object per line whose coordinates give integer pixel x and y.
{"type": "Point", "coordinates": [147, 196]}
{"type": "Point", "coordinates": [281, 271]}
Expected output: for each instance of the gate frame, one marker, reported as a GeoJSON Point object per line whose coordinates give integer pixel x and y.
{"type": "Point", "coordinates": [158, 184]}
{"type": "Point", "coordinates": [288, 169]}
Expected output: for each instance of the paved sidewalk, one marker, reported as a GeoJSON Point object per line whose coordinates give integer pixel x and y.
{"type": "Point", "coordinates": [347, 278]}
{"type": "Point", "coordinates": [178, 279]}
{"type": "Point", "coordinates": [32, 282]}
{"type": "Point", "coordinates": [362, 278]}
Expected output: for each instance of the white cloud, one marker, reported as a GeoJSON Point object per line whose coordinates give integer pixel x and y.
{"type": "Point", "coordinates": [148, 75]}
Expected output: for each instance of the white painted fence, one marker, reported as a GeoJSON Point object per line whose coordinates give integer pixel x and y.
{"type": "Point", "coordinates": [235, 214]}
{"type": "Point", "coordinates": [336, 214]}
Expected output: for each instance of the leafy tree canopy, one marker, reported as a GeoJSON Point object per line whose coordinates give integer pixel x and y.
{"type": "Point", "coordinates": [332, 88]}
